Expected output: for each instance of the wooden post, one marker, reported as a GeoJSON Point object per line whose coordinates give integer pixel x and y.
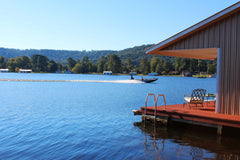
{"type": "Point", "coordinates": [219, 79]}
{"type": "Point", "coordinates": [219, 130]}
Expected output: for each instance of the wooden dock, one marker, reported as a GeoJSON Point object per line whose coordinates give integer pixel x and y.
{"type": "Point", "coordinates": [194, 115]}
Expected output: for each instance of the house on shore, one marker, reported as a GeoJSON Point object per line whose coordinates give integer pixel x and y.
{"type": "Point", "coordinates": [153, 74]}
{"type": "Point", "coordinates": [133, 73]}
{"type": "Point", "coordinates": [215, 38]}
{"type": "Point", "coordinates": [107, 72]}
{"type": "Point", "coordinates": [25, 71]}
{"type": "Point", "coordinates": [68, 72]}
{"type": "Point", "coordinates": [3, 70]}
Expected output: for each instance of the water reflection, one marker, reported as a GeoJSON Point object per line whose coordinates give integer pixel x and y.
{"type": "Point", "coordinates": [189, 142]}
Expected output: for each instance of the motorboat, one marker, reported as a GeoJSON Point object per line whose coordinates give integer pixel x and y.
{"type": "Point", "coordinates": [147, 80]}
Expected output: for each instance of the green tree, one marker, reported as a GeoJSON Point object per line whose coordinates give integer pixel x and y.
{"type": "Point", "coordinates": [77, 68]}
{"type": "Point", "coordinates": [11, 64]}
{"type": "Point", "coordinates": [3, 63]}
{"type": "Point", "coordinates": [92, 67]}
{"type": "Point", "coordinates": [177, 63]}
{"type": "Point", "coordinates": [182, 64]}
{"type": "Point", "coordinates": [154, 62]}
{"type": "Point", "coordinates": [85, 64]}
{"type": "Point", "coordinates": [202, 65]}
{"type": "Point", "coordinates": [135, 69]}
{"type": "Point", "coordinates": [18, 62]}
{"type": "Point", "coordinates": [100, 66]}
{"type": "Point", "coordinates": [167, 65]}
{"type": "Point", "coordinates": [212, 67]}
{"type": "Point", "coordinates": [159, 68]}
{"type": "Point", "coordinates": [193, 65]}
{"type": "Point", "coordinates": [59, 66]}
{"type": "Point", "coordinates": [25, 62]}
{"type": "Point", "coordinates": [52, 66]}
{"type": "Point", "coordinates": [70, 63]}
{"type": "Point", "coordinates": [14, 64]}
{"type": "Point", "coordinates": [129, 66]}
{"type": "Point", "coordinates": [144, 66]}
{"type": "Point", "coordinates": [39, 63]}
{"type": "Point", "coordinates": [114, 63]}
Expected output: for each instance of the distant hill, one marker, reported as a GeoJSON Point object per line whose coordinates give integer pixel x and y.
{"type": "Point", "coordinates": [56, 55]}
{"type": "Point", "coordinates": [136, 54]}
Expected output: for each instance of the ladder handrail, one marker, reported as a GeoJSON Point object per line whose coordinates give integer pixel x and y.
{"type": "Point", "coordinates": [161, 95]}
{"type": "Point", "coordinates": [155, 102]}
{"type": "Point", "coordinates": [150, 94]}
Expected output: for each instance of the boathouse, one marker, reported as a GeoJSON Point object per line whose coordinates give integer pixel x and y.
{"type": "Point", "coordinates": [3, 70]}
{"type": "Point", "coordinates": [107, 72]}
{"type": "Point", "coordinates": [24, 71]}
{"type": "Point", "coordinates": [215, 38]}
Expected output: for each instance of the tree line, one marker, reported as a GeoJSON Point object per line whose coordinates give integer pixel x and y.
{"type": "Point", "coordinates": [41, 63]}
{"type": "Point", "coordinates": [38, 63]}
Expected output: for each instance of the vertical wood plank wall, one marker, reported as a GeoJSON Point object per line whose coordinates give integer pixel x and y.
{"type": "Point", "coordinates": [225, 35]}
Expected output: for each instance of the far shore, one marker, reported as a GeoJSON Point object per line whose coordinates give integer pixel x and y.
{"type": "Point", "coordinates": [125, 74]}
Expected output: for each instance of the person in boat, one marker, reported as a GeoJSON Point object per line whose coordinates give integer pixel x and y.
{"type": "Point", "coordinates": [142, 78]}
{"type": "Point", "coordinates": [132, 77]}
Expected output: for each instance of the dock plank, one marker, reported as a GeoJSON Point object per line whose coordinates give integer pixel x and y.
{"type": "Point", "coordinates": [196, 114]}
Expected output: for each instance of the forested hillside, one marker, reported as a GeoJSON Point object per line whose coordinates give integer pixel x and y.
{"type": "Point", "coordinates": [124, 61]}
{"type": "Point", "coordinates": [56, 55]}
{"type": "Point", "coordinates": [136, 54]}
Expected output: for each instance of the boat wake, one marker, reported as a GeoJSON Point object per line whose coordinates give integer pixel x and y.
{"type": "Point", "coordinates": [107, 81]}
{"type": "Point", "coordinates": [96, 81]}
{"type": "Point", "coordinates": [126, 81]}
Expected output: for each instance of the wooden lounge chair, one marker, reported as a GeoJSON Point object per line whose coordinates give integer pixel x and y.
{"type": "Point", "coordinates": [197, 97]}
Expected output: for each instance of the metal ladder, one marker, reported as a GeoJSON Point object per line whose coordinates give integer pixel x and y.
{"type": "Point", "coordinates": [155, 103]}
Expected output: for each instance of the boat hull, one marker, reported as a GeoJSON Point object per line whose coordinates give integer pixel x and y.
{"type": "Point", "coordinates": [148, 80]}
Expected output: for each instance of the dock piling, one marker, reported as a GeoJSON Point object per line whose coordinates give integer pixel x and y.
{"type": "Point", "coordinates": [219, 130]}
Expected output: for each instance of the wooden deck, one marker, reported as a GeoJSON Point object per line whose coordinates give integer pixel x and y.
{"type": "Point", "coordinates": [194, 115]}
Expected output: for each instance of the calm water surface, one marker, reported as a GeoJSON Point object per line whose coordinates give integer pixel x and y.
{"type": "Point", "coordinates": [94, 120]}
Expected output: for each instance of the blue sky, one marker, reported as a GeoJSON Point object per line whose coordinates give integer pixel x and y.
{"type": "Point", "coordinates": [98, 24]}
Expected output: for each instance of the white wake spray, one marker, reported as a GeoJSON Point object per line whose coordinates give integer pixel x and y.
{"type": "Point", "coordinates": [98, 81]}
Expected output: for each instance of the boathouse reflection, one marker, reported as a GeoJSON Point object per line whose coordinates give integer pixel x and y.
{"type": "Point", "coordinates": [196, 141]}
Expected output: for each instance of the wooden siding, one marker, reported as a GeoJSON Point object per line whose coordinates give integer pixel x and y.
{"type": "Point", "coordinates": [225, 35]}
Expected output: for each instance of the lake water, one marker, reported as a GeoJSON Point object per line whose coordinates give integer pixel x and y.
{"type": "Point", "coordinates": [94, 120]}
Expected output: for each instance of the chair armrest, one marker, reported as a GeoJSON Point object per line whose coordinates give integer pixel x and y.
{"type": "Point", "coordinates": [187, 99]}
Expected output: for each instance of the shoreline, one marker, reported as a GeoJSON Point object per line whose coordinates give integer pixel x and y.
{"type": "Point", "coordinates": [96, 81]}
